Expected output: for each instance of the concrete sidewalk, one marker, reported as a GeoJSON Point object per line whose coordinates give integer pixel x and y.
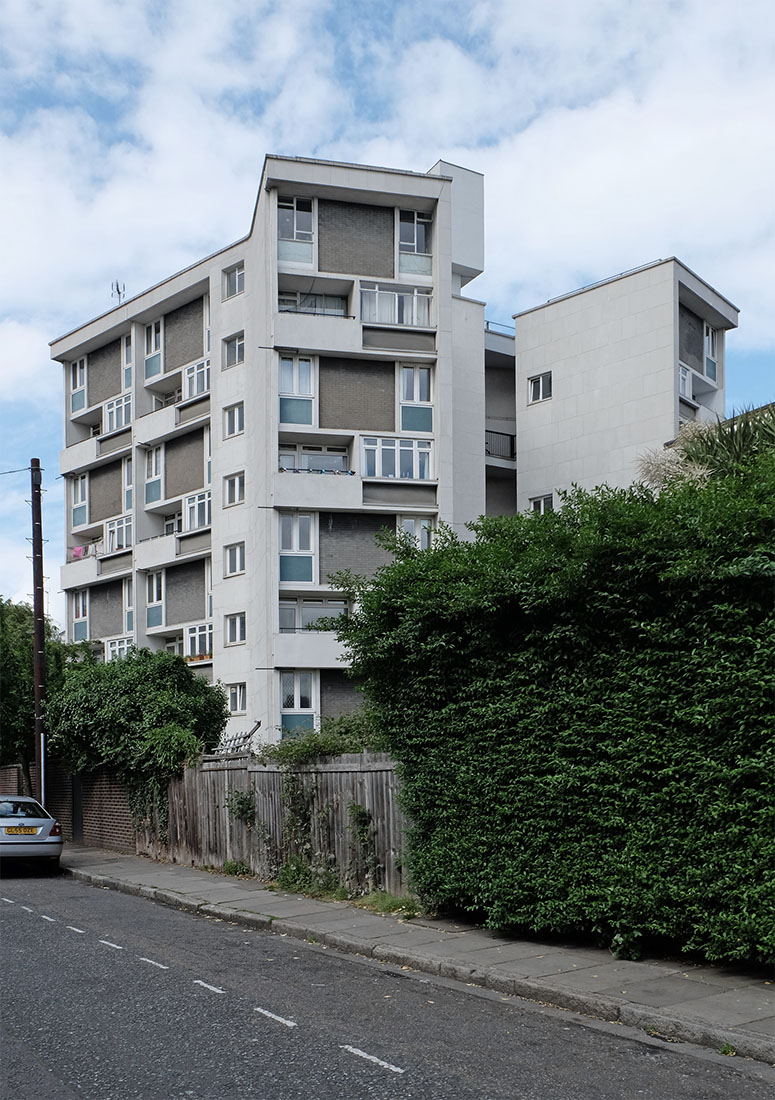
{"type": "Point", "coordinates": [714, 1006]}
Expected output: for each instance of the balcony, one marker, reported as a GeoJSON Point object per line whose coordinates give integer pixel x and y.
{"type": "Point", "coordinates": [312, 489]}
{"type": "Point", "coordinates": [308, 649]}
{"type": "Point", "coordinates": [500, 445]}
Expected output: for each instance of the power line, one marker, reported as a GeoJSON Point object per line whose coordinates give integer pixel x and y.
{"type": "Point", "coordinates": [23, 470]}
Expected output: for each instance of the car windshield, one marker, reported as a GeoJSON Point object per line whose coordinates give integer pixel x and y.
{"type": "Point", "coordinates": [9, 807]}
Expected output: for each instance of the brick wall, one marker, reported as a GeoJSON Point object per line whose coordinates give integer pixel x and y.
{"type": "Point", "coordinates": [184, 335]}
{"type": "Point", "coordinates": [106, 609]}
{"type": "Point", "coordinates": [105, 492]}
{"type": "Point", "coordinates": [356, 239]}
{"type": "Point", "coordinates": [347, 542]}
{"type": "Point", "coordinates": [11, 781]}
{"type": "Point", "coordinates": [104, 373]}
{"type": "Point", "coordinates": [357, 394]}
{"type": "Point", "coordinates": [107, 821]}
{"type": "Point", "coordinates": [184, 469]}
{"type": "Point", "coordinates": [185, 592]}
{"type": "Point", "coordinates": [338, 694]}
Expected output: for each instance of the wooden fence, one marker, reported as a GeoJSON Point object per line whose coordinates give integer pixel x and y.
{"type": "Point", "coordinates": [341, 815]}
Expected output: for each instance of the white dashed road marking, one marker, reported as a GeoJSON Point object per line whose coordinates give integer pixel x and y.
{"type": "Point", "coordinates": [9, 900]}
{"type": "Point", "coordinates": [27, 909]}
{"type": "Point", "coordinates": [117, 946]}
{"type": "Point", "coordinates": [371, 1058]}
{"type": "Point", "coordinates": [44, 917]}
{"type": "Point", "coordinates": [213, 988]}
{"type": "Point", "coordinates": [80, 931]}
{"type": "Point", "coordinates": [161, 966]}
{"type": "Point", "coordinates": [271, 1015]}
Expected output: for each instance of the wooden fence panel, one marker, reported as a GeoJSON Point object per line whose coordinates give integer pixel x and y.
{"type": "Point", "coordinates": [345, 815]}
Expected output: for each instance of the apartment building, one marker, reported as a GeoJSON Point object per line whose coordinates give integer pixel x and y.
{"type": "Point", "coordinates": [611, 371]}
{"type": "Point", "coordinates": [243, 430]}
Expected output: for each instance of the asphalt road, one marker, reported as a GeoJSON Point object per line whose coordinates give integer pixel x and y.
{"type": "Point", "coordinates": [110, 997]}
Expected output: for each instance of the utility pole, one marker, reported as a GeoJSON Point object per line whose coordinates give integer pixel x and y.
{"type": "Point", "coordinates": [39, 631]}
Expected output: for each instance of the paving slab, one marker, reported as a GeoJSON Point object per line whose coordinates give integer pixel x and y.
{"type": "Point", "coordinates": [710, 1005]}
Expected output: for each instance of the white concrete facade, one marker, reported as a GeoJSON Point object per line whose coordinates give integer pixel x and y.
{"type": "Point", "coordinates": [240, 431]}
{"type": "Point", "coordinates": [608, 372]}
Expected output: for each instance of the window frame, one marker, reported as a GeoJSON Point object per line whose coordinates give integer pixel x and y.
{"type": "Point", "coordinates": [197, 507]}
{"type": "Point", "coordinates": [236, 479]}
{"type": "Point", "coordinates": [423, 538]}
{"type": "Point", "coordinates": [78, 376]}
{"type": "Point", "coordinates": [292, 549]}
{"type": "Point", "coordinates": [154, 474]}
{"type": "Point", "coordinates": [196, 380]}
{"type": "Point", "coordinates": [383, 313]}
{"type": "Point", "coordinates": [118, 413]}
{"type": "Point", "coordinates": [297, 604]}
{"type": "Point", "coordinates": [302, 680]}
{"type": "Point", "coordinates": [153, 358]}
{"type": "Point", "coordinates": [537, 386]}
{"type": "Point", "coordinates": [117, 648]}
{"type": "Point", "coordinates": [235, 343]}
{"type": "Point", "coordinates": [239, 556]}
{"type": "Point", "coordinates": [237, 698]}
{"type": "Point", "coordinates": [118, 530]}
{"type": "Point", "coordinates": [291, 202]}
{"type": "Point", "coordinates": [416, 403]}
{"type": "Point", "coordinates": [235, 412]}
{"type": "Point", "coordinates": [80, 499]}
{"type": "Point", "coordinates": [299, 393]}
{"type": "Point", "coordinates": [418, 217]}
{"type": "Point", "coordinates": [155, 592]}
{"type": "Point", "coordinates": [300, 451]}
{"type": "Point", "coordinates": [196, 635]}
{"type": "Point", "coordinates": [80, 614]}
{"type": "Point", "coordinates": [710, 345]}
{"type": "Point", "coordinates": [303, 300]}
{"type": "Point", "coordinates": [235, 629]}
{"type": "Point", "coordinates": [543, 504]}
{"type": "Point", "coordinates": [382, 447]}
{"type": "Point", "coordinates": [238, 272]}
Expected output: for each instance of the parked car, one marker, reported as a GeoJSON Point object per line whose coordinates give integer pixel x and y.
{"type": "Point", "coordinates": [27, 831]}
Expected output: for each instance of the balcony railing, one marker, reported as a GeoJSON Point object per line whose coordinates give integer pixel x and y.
{"type": "Point", "coordinates": [500, 445]}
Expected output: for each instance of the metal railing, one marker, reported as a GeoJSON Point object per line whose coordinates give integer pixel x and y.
{"type": "Point", "coordinates": [500, 445]}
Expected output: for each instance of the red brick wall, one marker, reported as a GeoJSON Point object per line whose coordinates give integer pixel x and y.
{"type": "Point", "coordinates": [59, 797]}
{"type": "Point", "coordinates": [107, 820]}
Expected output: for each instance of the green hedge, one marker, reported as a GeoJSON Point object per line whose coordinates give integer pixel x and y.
{"type": "Point", "coordinates": [581, 707]}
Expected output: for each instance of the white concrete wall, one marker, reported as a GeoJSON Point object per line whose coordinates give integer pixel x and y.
{"type": "Point", "coordinates": [611, 351]}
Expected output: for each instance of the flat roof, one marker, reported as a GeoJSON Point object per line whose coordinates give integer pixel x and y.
{"type": "Point", "coordinates": [624, 275]}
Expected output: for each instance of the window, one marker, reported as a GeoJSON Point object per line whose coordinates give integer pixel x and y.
{"type": "Point", "coordinates": [414, 243]}
{"type": "Point", "coordinates": [234, 489]}
{"type": "Point", "coordinates": [80, 615]}
{"type": "Point", "coordinates": [234, 350]}
{"type": "Point", "coordinates": [711, 351]}
{"type": "Point", "coordinates": [129, 614]}
{"type": "Point", "coordinates": [118, 534]}
{"type": "Point", "coordinates": [127, 476]}
{"type": "Point", "coordinates": [296, 701]}
{"type": "Point", "coordinates": [200, 640]}
{"type": "Point", "coordinates": [197, 379]}
{"type": "Point", "coordinates": [294, 230]}
{"type": "Point", "coordinates": [127, 360]}
{"type": "Point", "coordinates": [234, 420]}
{"type": "Point", "coordinates": [296, 301]}
{"type": "Point", "coordinates": [296, 553]}
{"type": "Point", "coordinates": [154, 599]}
{"type": "Point", "coordinates": [234, 559]}
{"type": "Point", "coordinates": [80, 491]}
{"type": "Point", "coordinates": [302, 614]}
{"type": "Point", "coordinates": [684, 382]}
{"type": "Point", "coordinates": [154, 468]}
{"type": "Point", "coordinates": [173, 524]}
{"type": "Point", "coordinates": [403, 458]}
{"type": "Point", "coordinates": [384, 304]}
{"type": "Point", "coordinates": [153, 364]}
{"type": "Point", "coordinates": [416, 409]}
{"type": "Point", "coordinates": [542, 505]}
{"type": "Point", "coordinates": [117, 647]}
{"type": "Point", "coordinates": [327, 460]}
{"type": "Point", "coordinates": [238, 698]}
{"type": "Point", "coordinates": [174, 645]}
{"type": "Point", "coordinates": [419, 528]}
{"type": "Point", "coordinates": [234, 629]}
{"type": "Point", "coordinates": [234, 280]}
{"type": "Point", "coordinates": [77, 384]}
{"type": "Point", "coordinates": [296, 405]}
{"type": "Point", "coordinates": [198, 510]}
{"type": "Point", "coordinates": [539, 388]}
{"type": "Point", "coordinates": [118, 413]}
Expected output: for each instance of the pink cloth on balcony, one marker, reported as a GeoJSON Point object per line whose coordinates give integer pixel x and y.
{"type": "Point", "coordinates": [79, 552]}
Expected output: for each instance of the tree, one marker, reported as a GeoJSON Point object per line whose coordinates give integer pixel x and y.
{"type": "Point", "coordinates": [580, 708]}
{"type": "Point", "coordinates": [17, 689]}
{"type": "Point", "coordinates": [711, 448]}
{"type": "Point", "coordinates": [142, 716]}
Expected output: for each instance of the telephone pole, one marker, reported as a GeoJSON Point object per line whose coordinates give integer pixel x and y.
{"type": "Point", "coordinates": [39, 630]}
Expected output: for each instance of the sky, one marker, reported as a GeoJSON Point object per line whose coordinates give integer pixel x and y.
{"type": "Point", "coordinates": [610, 133]}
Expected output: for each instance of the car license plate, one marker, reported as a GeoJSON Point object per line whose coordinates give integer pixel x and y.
{"type": "Point", "coordinates": [17, 829]}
